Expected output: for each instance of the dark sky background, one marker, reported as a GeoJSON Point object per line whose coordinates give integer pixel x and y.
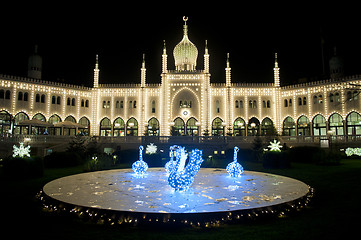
{"type": "Point", "coordinates": [69, 36]}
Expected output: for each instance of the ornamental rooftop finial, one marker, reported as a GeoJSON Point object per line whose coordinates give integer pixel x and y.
{"type": "Point", "coordinates": [185, 53]}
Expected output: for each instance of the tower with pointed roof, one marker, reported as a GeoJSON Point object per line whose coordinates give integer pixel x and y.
{"type": "Point", "coordinates": [35, 64]}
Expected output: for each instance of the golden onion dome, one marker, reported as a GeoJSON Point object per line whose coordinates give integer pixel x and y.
{"type": "Point", "coordinates": [185, 53]}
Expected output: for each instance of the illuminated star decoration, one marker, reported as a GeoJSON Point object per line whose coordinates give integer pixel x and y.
{"type": "Point", "coordinates": [181, 177]}
{"type": "Point", "coordinates": [21, 151]}
{"type": "Point", "coordinates": [353, 151]}
{"type": "Point", "coordinates": [275, 146]}
{"type": "Point", "coordinates": [234, 168]}
{"type": "Point", "coordinates": [151, 149]}
{"type": "Point", "coordinates": [140, 167]}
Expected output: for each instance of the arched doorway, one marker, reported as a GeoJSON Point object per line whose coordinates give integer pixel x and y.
{"type": "Point", "coordinates": [5, 123]}
{"type": "Point", "coordinates": [353, 124]}
{"type": "Point", "coordinates": [267, 128]}
{"type": "Point", "coordinates": [253, 127]}
{"type": "Point", "coordinates": [178, 128]}
{"type": "Point", "coordinates": [18, 128]}
{"type": "Point", "coordinates": [319, 125]}
{"type": "Point", "coordinates": [153, 127]}
{"type": "Point", "coordinates": [118, 127]}
{"type": "Point", "coordinates": [84, 121]}
{"type": "Point", "coordinates": [303, 126]}
{"type": "Point", "coordinates": [239, 127]}
{"type": "Point", "coordinates": [192, 127]}
{"type": "Point", "coordinates": [105, 127]}
{"type": "Point", "coordinates": [217, 127]}
{"type": "Point", "coordinates": [289, 127]}
{"type": "Point", "coordinates": [336, 124]}
{"type": "Point", "coordinates": [54, 130]}
{"type": "Point", "coordinates": [132, 127]}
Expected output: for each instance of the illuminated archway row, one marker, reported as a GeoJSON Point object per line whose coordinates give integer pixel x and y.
{"type": "Point", "coordinates": [119, 128]}
{"type": "Point", "coordinates": [321, 127]}
{"type": "Point", "coordinates": [14, 124]}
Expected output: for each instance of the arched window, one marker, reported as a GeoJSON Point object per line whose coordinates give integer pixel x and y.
{"type": "Point", "coordinates": [269, 103]}
{"type": "Point", "coordinates": [303, 126]}
{"type": "Point", "coordinates": [250, 105]}
{"type": "Point", "coordinates": [119, 127]}
{"type": "Point", "coordinates": [82, 103]}
{"type": "Point", "coordinates": [86, 126]}
{"type": "Point", "coordinates": [236, 104]}
{"type": "Point", "coordinates": [289, 102]}
{"type": "Point", "coordinates": [19, 128]}
{"type": "Point", "coordinates": [267, 128]}
{"type": "Point", "coordinates": [254, 104]}
{"type": "Point", "coordinates": [239, 127]}
{"type": "Point", "coordinates": [319, 125]}
{"type": "Point", "coordinates": [5, 123]}
{"type": "Point", "coordinates": [42, 98]}
{"type": "Point", "coordinates": [20, 96]}
{"type": "Point", "coordinates": [68, 101]}
{"type": "Point", "coordinates": [253, 127]}
{"type": "Point", "coordinates": [86, 103]}
{"type": "Point", "coordinates": [336, 124]}
{"type": "Point", "coordinates": [26, 96]}
{"type": "Point", "coordinates": [40, 117]}
{"type": "Point", "coordinates": [304, 101]}
{"type": "Point", "coordinates": [289, 127]}
{"type": "Point", "coordinates": [153, 106]}
{"type": "Point", "coordinates": [217, 106]}
{"type": "Point", "coordinates": [58, 100]}
{"type": "Point", "coordinates": [353, 123]}
{"type": "Point", "coordinates": [217, 127]}
{"type": "Point", "coordinates": [286, 103]}
{"type": "Point", "coordinates": [179, 127]}
{"type": "Point", "coordinates": [153, 127]}
{"type": "Point", "coordinates": [37, 97]}
{"type": "Point", "coordinates": [192, 127]}
{"type": "Point", "coordinates": [53, 100]}
{"type": "Point", "coordinates": [299, 101]}
{"type": "Point", "coordinates": [73, 102]}
{"type": "Point", "coordinates": [7, 94]}
{"type": "Point", "coordinates": [240, 104]}
{"type": "Point", "coordinates": [105, 127]}
{"type": "Point", "coordinates": [132, 127]}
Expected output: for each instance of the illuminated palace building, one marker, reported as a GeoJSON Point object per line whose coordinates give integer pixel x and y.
{"type": "Point", "coordinates": [184, 103]}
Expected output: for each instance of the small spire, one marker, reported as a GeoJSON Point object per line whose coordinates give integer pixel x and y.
{"type": "Point", "coordinates": [143, 62]}
{"type": "Point", "coordinates": [164, 48]}
{"type": "Point", "coordinates": [97, 61]}
{"type": "Point", "coordinates": [185, 27]}
{"type": "Point", "coordinates": [227, 60]}
{"type": "Point", "coordinates": [276, 61]}
{"type": "Point", "coordinates": [206, 48]}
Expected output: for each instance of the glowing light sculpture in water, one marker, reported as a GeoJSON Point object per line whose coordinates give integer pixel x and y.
{"type": "Point", "coordinates": [169, 166]}
{"type": "Point", "coordinates": [234, 168]}
{"type": "Point", "coordinates": [140, 167]}
{"type": "Point", "coordinates": [182, 177]}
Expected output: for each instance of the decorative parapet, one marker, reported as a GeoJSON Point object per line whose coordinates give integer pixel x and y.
{"type": "Point", "coordinates": [41, 82]}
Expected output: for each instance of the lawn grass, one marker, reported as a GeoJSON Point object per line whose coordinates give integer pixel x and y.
{"type": "Point", "coordinates": [334, 213]}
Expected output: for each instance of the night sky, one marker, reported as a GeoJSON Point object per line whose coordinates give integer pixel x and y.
{"type": "Point", "coordinates": [70, 36]}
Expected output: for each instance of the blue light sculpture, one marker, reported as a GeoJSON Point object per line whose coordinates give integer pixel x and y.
{"type": "Point", "coordinates": [169, 166]}
{"type": "Point", "coordinates": [234, 168]}
{"type": "Point", "coordinates": [140, 167]}
{"type": "Point", "coordinates": [181, 177]}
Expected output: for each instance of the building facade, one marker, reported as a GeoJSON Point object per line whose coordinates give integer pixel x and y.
{"type": "Point", "coordinates": [184, 103]}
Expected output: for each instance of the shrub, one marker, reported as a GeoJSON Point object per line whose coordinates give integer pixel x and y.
{"type": "Point", "coordinates": [307, 154]}
{"type": "Point", "coordinates": [23, 167]}
{"type": "Point", "coordinates": [63, 159]}
{"type": "Point", "coordinates": [275, 160]}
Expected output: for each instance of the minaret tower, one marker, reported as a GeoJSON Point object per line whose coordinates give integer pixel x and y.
{"type": "Point", "coordinates": [96, 72]}
{"type": "Point", "coordinates": [276, 71]}
{"type": "Point", "coordinates": [228, 97]}
{"type": "Point", "coordinates": [35, 64]}
{"type": "Point", "coordinates": [143, 73]}
{"type": "Point", "coordinates": [206, 59]}
{"type": "Point", "coordinates": [276, 96]}
{"type": "Point", "coordinates": [164, 59]}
